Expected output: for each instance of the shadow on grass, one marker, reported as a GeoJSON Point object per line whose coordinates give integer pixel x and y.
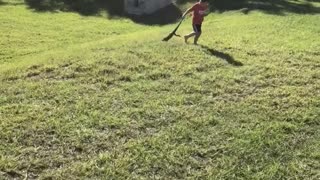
{"type": "Point", "coordinates": [277, 7]}
{"type": "Point", "coordinates": [83, 7]}
{"type": "Point", "coordinates": [114, 8]}
{"type": "Point", "coordinates": [2, 3]}
{"type": "Point", "coordinates": [167, 15]}
{"type": "Point", "coordinates": [14, 3]}
{"type": "Point", "coordinates": [222, 55]}
{"type": "Point", "coordinates": [170, 14]}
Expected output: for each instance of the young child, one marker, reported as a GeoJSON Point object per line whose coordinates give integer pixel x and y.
{"type": "Point", "coordinates": [198, 12]}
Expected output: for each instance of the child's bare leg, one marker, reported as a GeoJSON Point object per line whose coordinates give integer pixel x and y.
{"type": "Point", "coordinates": [196, 38]}
{"type": "Point", "coordinates": [186, 37]}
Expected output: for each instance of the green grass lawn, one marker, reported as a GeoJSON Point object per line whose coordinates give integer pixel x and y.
{"type": "Point", "coordinates": [87, 97]}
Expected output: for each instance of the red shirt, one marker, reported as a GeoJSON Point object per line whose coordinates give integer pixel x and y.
{"type": "Point", "coordinates": [198, 13]}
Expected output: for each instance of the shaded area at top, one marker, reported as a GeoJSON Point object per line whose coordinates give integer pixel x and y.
{"type": "Point", "coordinates": [277, 7]}
{"type": "Point", "coordinates": [2, 3]}
{"type": "Point", "coordinates": [114, 8]}
{"type": "Point", "coordinates": [171, 13]}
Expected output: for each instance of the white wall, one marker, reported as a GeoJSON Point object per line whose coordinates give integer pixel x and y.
{"type": "Point", "coordinates": [145, 6]}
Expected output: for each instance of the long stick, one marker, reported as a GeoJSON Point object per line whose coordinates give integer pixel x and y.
{"type": "Point", "coordinates": [173, 33]}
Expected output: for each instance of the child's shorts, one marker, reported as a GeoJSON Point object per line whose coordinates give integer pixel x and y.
{"type": "Point", "coordinates": [197, 28]}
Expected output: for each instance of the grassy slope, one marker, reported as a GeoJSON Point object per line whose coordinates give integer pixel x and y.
{"type": "Point", "coordinates": [90, 97]}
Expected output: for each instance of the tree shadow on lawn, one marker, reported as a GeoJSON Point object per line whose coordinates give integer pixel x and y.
{"type": "Point", "coordinates": [2, 3]}
{"type": "Point", "coordinates": [114, 8]}
{"type": "Point", "coordinates": [167, 15]}
{"type": "Point", "coordinates": [170, 14]}
{"type": "Point", "coordinates": [14, 3]}
{"type": "Point", "coordinates": [277, 7]}
{"type": "Point", "coordinates": [221, 55]}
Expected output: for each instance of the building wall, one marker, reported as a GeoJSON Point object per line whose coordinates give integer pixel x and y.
{"type": "Point", "coordinates": [139, 7]}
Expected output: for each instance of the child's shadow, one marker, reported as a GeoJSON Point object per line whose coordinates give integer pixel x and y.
{"type": "Point", "coordinates": [222, 55]}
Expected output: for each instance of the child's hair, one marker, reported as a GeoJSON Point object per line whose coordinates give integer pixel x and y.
{"type": "Point", "coordinates": [203, 0]}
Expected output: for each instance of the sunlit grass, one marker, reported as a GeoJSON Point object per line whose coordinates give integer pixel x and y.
{"type": "Point", "coordinates": [89, 97]}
